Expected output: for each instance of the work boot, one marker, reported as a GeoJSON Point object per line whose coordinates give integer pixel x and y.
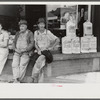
{"type": "Point", "coordinates": [16, 81]}
{"type": "Point", "coordinates": [30, 80]}
{"type": "Point", "coordinates": [35, 77]}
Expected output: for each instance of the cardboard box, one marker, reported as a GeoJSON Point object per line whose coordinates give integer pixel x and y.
{"type": "Point", "coordinates": [76, 45]}
{"type": "Point", "coordinates": [66, 45]}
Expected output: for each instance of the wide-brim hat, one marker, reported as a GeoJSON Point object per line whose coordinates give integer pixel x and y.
{"type": "Point", "coordinates": [41, 20]}
{"type": "Point", "coordinates": [22, 22]}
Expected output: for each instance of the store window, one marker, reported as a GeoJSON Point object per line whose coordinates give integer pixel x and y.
{"type": "Point", "coordinates": [72, 24]}
{"type": "Point", "coordinates": [61, 20]}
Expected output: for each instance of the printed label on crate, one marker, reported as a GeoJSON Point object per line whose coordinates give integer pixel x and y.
{"type": "Point", "coordinates": [76, 45]}
{"type": "Point", "coordinates": [93, 44]}
{"type": "Point", "coordinates": [85, 45]}
{"type": "Point", "coordinates": [66, 45]}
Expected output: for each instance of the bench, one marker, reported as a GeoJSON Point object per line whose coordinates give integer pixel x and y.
{"type": "Point", "coordinates": [63, 64]}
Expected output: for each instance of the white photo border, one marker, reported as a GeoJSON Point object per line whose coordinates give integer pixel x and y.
{"type": "Point", "coordinates": [52, 90]}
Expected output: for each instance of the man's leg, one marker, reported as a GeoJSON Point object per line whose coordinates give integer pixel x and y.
{"type": "Point", "coordinates": [23, 65]}
{"type": "Point", "coordinates": [15, 66]}
{"type": "Point", "coordinates": [3, 58]}
{"type": "Point", "coordinates": [38, 66]}
{"type": "Point", "coordinates": [33, 58]}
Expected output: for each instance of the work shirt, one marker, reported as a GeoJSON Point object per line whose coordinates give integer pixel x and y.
{"type": "Point", "coordinates": [4, 36]}
{"type": "Point", "coordinates": [22, 41]}
{"type": "Point", "coordinates": [28, 37]}
{"type": "Point", "coordinates": [45, 39]}
{"type": "Point", "coordinates": [3, 50]}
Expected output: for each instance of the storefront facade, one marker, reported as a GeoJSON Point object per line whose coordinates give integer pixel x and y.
{"type": "Point", "coordinates": [63, 64]}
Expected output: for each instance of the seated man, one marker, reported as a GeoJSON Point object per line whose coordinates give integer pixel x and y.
{"type": "Point", "coordinates": [23, 44]}
{"type": "Point", "coordinates": [44, 41]}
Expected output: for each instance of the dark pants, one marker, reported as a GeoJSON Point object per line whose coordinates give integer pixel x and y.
{"type": "Point", "coordinates": [31, 64]}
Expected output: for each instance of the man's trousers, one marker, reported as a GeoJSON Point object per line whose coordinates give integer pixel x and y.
{"type": "Point", "coordinates": [3, 58]}
{"type": "Point", "coordinates": [19, 65]}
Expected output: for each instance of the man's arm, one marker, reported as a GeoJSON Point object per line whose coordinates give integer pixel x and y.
{"type": "Point", "coordinates": [4, 43]}
{"type": "Point", "coordinates": [31, 44]}
{"type": "Point", "coordinates": [15, 40]}
{"type": "Point", "coordinates": [54, 44]}
{"type": "Point", "coordinates": [37, 48]}
{"type": "Point", "coordinates": [54, 40]}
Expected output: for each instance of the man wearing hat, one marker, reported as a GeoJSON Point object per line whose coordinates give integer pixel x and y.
{"type": "Point", "coordinates": [44, 41]}
{"type": "Point", "coordinates": [23, 44]}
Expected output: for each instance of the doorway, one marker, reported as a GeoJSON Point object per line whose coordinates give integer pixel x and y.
{"type": "Point", "coordinates": [33, 13]}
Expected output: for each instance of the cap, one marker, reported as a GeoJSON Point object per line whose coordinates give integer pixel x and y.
{"type": "Point", "coordinates": [22, 22]}
{"type": "Point", "coordinates": [41, 20]}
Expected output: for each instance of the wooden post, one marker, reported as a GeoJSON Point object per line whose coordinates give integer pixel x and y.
{"type": "Point", "coordinates": [89, 12]}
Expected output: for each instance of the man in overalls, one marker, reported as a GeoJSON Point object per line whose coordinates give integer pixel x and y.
{"type": "Point", "coordinates": [44, 42]}
{"type": "Point", "coordinates": [23, 44]}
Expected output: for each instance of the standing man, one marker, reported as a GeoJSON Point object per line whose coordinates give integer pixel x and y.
{"type": "Point", "coordinates": [4, 39]}
{"type": "Point", "coordinates": [23, 44]}
{"type": "Point", "coordinates": [44, 41]}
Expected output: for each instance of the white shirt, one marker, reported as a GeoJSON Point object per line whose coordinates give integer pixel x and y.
{"type": "Point", "coordinates": [44, 39]}
{"type": "Point", "coordinates": [4, 36]}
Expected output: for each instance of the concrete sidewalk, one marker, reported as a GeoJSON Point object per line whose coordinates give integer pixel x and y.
{"type": "Point", "coordinates": [7, 75]}
{"type": "Point", "coordinates": [90, 77]}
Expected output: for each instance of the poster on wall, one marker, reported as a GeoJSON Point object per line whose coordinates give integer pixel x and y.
{"type": "Point", "coordinates": [65, 13]}
{"type": "Point", "coordinates": [53, 16]}
{"type": "Point", "coordinates": [59, 15]}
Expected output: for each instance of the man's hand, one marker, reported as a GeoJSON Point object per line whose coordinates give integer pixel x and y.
{"type": "Point", "coordinates": [31, 53]}
{"type": "Point", "coordinates": [23, 50]}
{"type": "Point", "coordinates": [50, 48]}
{"type": "Point", "coordinates": [18, 51]}
{"type": "Point", "coordinates": [39, 52]}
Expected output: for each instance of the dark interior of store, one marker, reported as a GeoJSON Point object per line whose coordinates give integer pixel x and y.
{"type": "Point", "coordinates": [33, 12]}
{"type": "Point", "coordinates": [10, 15]}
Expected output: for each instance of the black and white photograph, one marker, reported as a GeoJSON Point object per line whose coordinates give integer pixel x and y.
{"type": "Point", "coordinates": [64, 54]}
{"type": "Point", "coordinates": [51, 44]}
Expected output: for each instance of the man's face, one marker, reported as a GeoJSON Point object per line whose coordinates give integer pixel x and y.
{"type": "Point", "coordinates": [41, 26]}
{"type": "Point", "coordinates": [23, 27]}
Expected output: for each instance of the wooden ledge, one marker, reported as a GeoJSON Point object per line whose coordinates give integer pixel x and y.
{"type": "Point", "coordinates": [60, 56]}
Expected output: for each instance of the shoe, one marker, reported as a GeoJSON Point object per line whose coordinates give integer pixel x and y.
{"type": "Point", "coordinates": [16, 81]}
{"type": "Point", "coordinates": [35, 80]}
{"type": "Point", "coordinates": [30, 80]}
{"type": "Point", "coordinates": [36, 77]}
{"type": "Point", "coordinates": [11, 81]}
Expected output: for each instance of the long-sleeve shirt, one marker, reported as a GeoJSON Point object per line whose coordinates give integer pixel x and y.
{"type": "Point", "coordinates": [24, 40]}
